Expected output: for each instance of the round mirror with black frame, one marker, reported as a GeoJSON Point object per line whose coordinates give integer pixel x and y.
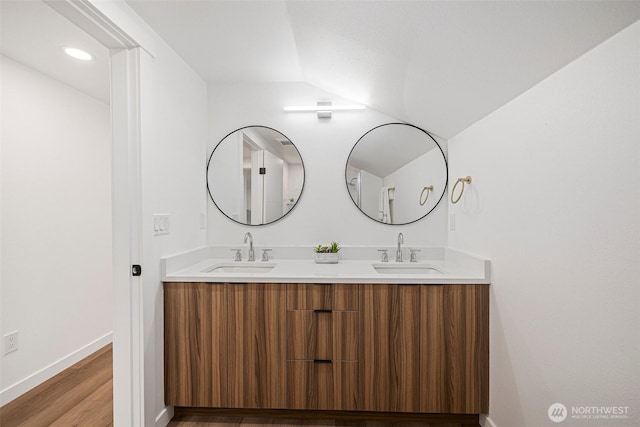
{"type": "Point", "coordinates": [396, 173]}
{"type": "Point", "coordinates": [255, 175]}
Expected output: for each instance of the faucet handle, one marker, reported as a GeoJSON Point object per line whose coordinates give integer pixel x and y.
{"type": "Point", "coordinates": [238, 255]}
{"type": "Point", "coordinates": [265, 254]}
{"type": "Point", "coordinates": [414, 258]}
{"type": "Point", "coordinates": [385, 255]}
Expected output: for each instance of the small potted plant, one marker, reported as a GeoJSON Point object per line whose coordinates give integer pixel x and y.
{"type": "Point", "coordinates": [327, 254]}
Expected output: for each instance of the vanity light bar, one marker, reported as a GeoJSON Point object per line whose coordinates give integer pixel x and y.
{"type": "Point", "coordinates": [315, 108]}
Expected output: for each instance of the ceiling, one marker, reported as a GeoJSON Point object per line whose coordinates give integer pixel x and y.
{"type": "Point", "coordinates": [278, 144]}
{"type": "Point", "coordinates": [441, 65]}
{"type": "Point", "coordinates": [385, 149]}
{"type": "Point", "coordinates": [34, 34]}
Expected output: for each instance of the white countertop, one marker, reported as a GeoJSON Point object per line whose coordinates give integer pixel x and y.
{"type": "Point", "coordinates": [356, 266]}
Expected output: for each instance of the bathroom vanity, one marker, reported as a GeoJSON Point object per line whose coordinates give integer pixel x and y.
{"type": "Point", "coordinates": [342, 337]}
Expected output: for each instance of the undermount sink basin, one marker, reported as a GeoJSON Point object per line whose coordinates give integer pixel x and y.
{"type": "Point", "coordinates": [236, 267]}
{"type": "Point", "coordinates": [405, 269]}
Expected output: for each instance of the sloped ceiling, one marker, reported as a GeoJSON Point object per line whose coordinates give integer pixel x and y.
{"type": "Point", "coordinates": [441, 65]}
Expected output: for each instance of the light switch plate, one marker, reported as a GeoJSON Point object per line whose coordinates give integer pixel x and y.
{"type": "Point", "coordinates": [161, 224]}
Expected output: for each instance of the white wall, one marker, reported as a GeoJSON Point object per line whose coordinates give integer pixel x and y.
{"type": "Point", "coordinates": [225, 174]}
{"type": "Point", "coordinates": [293, 182]}
{"type": "Point", "coordinates": [555, 204]}
{"type": "Point", "coordinates": [174, 132]}
{"type": "Point", "coordinates": [56, 226]}
{"type": "Point", "coordinates": [409, 182]}
{"type": "Point", "coordinates": [325, 211]}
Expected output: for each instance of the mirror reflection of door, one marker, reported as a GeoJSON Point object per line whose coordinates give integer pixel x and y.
{"type": "Point", "coordinates": [246, 175]}
{"type": "Point", "coordinates": [266, 187]}
{"type": "Point", "coordinates": [272, 187]}
{"type": "Point", "coordinates": [255, 175]}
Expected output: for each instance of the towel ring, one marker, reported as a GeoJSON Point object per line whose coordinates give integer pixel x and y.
{"type": "Point", "coordinates": [460, 180]}
{"type": "Point", "coordinates": [427, 189]}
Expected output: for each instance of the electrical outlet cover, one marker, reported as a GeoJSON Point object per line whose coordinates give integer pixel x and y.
{"type": "Point", "coordinates": [11, 342]}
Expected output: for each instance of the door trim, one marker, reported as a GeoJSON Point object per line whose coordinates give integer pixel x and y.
{"type": "Point", "coordinates": [128, 346]}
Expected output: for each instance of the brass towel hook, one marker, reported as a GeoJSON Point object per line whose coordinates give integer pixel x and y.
{"type": "Point", "coordinates": [460, 180]}
{"type": "Point", "coordinates": [427, 189]}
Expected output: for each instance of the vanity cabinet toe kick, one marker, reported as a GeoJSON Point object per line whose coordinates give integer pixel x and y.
{"type": "Point", "coordinates": [411, 349]}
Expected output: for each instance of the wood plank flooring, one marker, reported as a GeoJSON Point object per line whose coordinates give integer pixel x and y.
{"type": "Point", "coordinates": [205, 417]}
{"type": "Point", "coordinates": [81, 395]}
{"type": "Point", "coordinates": [208, 421]}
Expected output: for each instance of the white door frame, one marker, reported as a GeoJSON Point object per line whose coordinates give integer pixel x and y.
{"type": "Point", "coordinates": [128, 346]}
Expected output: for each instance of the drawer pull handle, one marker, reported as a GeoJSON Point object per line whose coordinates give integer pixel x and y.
{"type": "Point", "coordinates": [322, 361]}
{"type": "Point", "coordinates": [322, 311]}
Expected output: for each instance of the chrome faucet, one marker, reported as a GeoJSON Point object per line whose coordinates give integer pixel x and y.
{"type": "Point", "coordinates": [252, 256]}
{"type": "Point", "coordinates": [399, 250]}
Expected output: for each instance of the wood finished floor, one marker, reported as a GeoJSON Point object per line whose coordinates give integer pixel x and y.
{"type": "Point", "coordinates": [204, 421]}
{"type": "Point", "coordinates": [83, 396]}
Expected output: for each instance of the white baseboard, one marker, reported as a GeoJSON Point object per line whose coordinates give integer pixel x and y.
{"type": "Point", "coordinates": [21, 387]}
{"type": "Point", "coordinates": [485, 421]}
{"type": "Point", "coordinates": [164, 417]}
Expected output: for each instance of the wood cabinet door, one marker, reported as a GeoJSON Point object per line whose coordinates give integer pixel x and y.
{"type": "Point", "coordinates": [195, 344]}
{"type": "Point", "coordinates": [314, 334]}
{"type": "Point", "coordinates": [389, 348]}
{"type": "Point", "coordinates": [455, 349]}
{"type": "Point", "coordinates": [329, 385]}
{"type": "Point", "coordinates": [257, 345]}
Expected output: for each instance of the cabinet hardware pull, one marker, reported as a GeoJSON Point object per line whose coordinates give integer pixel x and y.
{"type": "Point", "coordinates": [322, 361]}
{"type": "Point", "coordinates": [322, 311]}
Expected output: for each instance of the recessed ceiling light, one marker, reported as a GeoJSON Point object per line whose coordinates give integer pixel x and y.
{"type": "Point", "coordinates": [78, 54]}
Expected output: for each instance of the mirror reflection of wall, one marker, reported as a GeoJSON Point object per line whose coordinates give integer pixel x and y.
{"type": "Point", "coordinates": [396, 173]}
{"type": "Point", "coordinates": [255, 175]}
{"type": "Point", "coordinates": [353, 185]}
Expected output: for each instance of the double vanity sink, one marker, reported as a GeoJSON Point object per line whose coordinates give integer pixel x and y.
{"type": "Point", "coordinates": [363, 334]}
{"type": "Point", "coordinates": [289, 334]}
{"type": "Point", "coordinates": [356, 265]}
{"type": "Point", "coordinates": [266, 267]}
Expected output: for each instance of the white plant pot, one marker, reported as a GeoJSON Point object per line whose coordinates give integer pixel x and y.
{"type": "Point", "coordinates": [326, 258]}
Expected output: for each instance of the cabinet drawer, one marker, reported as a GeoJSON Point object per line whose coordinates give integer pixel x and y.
{"type": "Point", "coordinates": [322, 335]}
{"type": "Point", "coordinates": [328, 385]}
{"type": "Point", "coordinates": [315, 296]}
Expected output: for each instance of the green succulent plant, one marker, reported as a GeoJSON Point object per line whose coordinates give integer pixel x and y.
{"type": "Point", "coordinates": [333, 248]}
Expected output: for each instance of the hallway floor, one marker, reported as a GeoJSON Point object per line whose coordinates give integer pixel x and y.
{"type": "Point", "coordinates": [81, 395]}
